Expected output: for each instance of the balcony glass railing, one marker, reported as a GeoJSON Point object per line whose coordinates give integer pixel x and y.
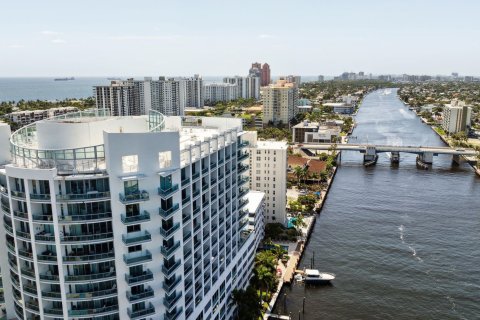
{"type": "Point", "coordinates": [146, 294]}
{"type": "Point", "coordinates": [169, 270]}
{"type": "Point", "coordinates": [185, 180]}
{"type": "Point", "coordinates": [242, 168]}
{"type": "Point", "coordinates": [88, 257]}
{"type": "Point", "coordinates": [135, 279]}
{"type": "Point", "coordinates": [169, 286]}
{"type": "Point", "coordinates": [170, 302]}
{"type": "Point", "coordinates": [86, 237]}
{"type": "Point", "coordinates": [143, 217]}
{"type": "Point", "coordinates": [142, 312]}
{"type": "Point", "coordinates": [74, 218]}
{"type": "Point", "coordinates": [42, 218]}
{"type": "Point", "coordinates": [91, 294]}
{"type": "Point", "coordinates": [243, 144]}
{"type": "Point", "coordinates": [91, 195]}
{"type": "Point", "coordinates": [168, 251]}
{"type": "Point", "coordinates": [167, 192]}
{"type": "Point", "coordinates": [170, 231]}
{"type": "Point", "coordinates": [40, 197]}
{"type": "Point", "coordinates": [97, 311]}
{"type": "Point", "coordinates": [18, 194]}
{"type": "Point", "coordinates": [168, 212]}
{"type": "Point", "coordinates": [89, 277]}
{"type": "Point", "coordinates": [174, 315]}
{"type": "Point", "coordinates": [137, 257]}
{"type": "Point", "coordinates": [136, 237]}
{"type": "Point", "coordinates": [52, 312]}
{"type": "Point", "coordinates": [127, 198]}
{"type": "Point", "coordinates": [195, 176]}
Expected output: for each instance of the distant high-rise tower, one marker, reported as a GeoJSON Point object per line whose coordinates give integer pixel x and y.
{"type": "Point", "coordinates": [255, 70]}
{"type": "Point", "coordinates": [265, 75]}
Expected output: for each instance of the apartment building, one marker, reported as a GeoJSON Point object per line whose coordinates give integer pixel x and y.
{"type": "Point", "coordinates": [220, 92]}
{"type": "Point", "coordinates": [280, 102]}
{"type": "Point", "coordinates": [456, 117]}
{"type": "Point", "coordinates": [169, 96]}
{"type": "Point", "coordinates": [268, 174]}
{"type": "Point", "coordinates": [134, 217]}
{"type": "Point", "coordinates": [248, 87]}
{"type": "Point", "coordinates": [26, 117]}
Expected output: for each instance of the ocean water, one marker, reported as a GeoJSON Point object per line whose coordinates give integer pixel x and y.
{"type": "Point", "coordinates": [403, 242]}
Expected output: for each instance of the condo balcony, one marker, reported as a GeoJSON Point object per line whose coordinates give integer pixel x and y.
{"type": "Point", "coordinates": [20, 215]}
{"type": "Point", "coordinates": [90, 238]}
{"type": "Point", "coordinates": [92, 293]}
{"type": "Point", "coordinates": [242, 156]}
{"type": "Point", "coordinates": [47, 257]}
{"type": "Point", "coordinates": [135, 258]}
{"type": "Point", "coordinates": [167, 252]}
{"type": "Point", "coordinates": [135, 238]}
{"type": "Point", "coordinates": [79, 258]}
{"type": "Point", "coordinates": [37, 197]}
{"type": "Point", "coordinates": [91, 195]}
{"type": "Point", "coordinates": [168, 270]}
{"type": "Point", "coordinates": [80, 218]}
{"type": "Point", "coordinates": [241, 168]}
{"type": "Point", "coordinates": [167, 213]}
{"type": "Point", "coordinates": [143, 217]}
{"type": "Point", "coordinates": [18, 194]}
{"type": "Point", "coordinates": [169, 285]}
{"type": "Point", "coordinates": [141, 312]}
{"type": "Point", "coordinates": [195, 176]}
{"type": "Point", "coordinates": [242, 203]}
{"type": "Point", "coordinates": [147, 293]}
{"type": "Point", "coordinates": [171, 301]}
{"type": "Point", "coordinates": [82, 278]}
{"type": "Point", "coordinates": [167, 233]}
{"type": "Point", "coordinates": [242, 192]}
{"type": "Point", "coordinates": [242, 181]}
{"type": "Point", "coordinates": [138, 278]}
{"type": "Point", "coordinates": [173, 315]}
{"type": "Point", "coordinates": [53, 312]}
{"type": "Point", "coordinates": [168, 191]}
{"type": "Point", "coordinates": [102, 311]}
{"type": "Point", "coordinates": [139, 196]}
{"type": "Point", "coordinates": [243, 144]}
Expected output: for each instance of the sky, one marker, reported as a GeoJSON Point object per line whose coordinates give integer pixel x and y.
{"type": "Point", "coordinates": [181, 38]}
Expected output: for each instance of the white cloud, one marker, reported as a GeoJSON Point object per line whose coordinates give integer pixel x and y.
{"type": "Point", "coordinates": [58, 41]}
{"type": "Point", "coordinates": [50, 33]}
{"type": "Point", "coordinates": [266, 36]}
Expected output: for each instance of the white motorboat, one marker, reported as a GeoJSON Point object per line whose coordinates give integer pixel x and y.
{"type": "Point", "coordinates": [313, 276]}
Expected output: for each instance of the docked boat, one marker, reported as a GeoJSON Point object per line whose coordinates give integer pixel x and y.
{"type": "Point", "coordinates": [313, 276]}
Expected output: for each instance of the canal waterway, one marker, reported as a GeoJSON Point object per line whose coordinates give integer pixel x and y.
{"type": "Point", "coordinates": [403, 242]}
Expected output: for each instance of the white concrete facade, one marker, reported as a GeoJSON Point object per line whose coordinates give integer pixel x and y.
{"type": "Point", "coordinates": [248, 87]}
{"type": "Point", "coordinates": [456, 117]}
{"type": "Point", "coordinates": [220, 92]}
{"type": "Point", "coordinates": [280, 102]}
{"type": "Point", "coordinates": [268, 174]}
{"type": "Point", "coordinates": [136, 218]}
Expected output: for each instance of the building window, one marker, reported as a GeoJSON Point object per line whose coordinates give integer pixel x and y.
{"type": "Point", "coordinates": [130, 164]}
{"type": "Point", "coordinates": [165, 159]}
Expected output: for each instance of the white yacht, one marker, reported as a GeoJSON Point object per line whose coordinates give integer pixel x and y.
{"type": "Point", "coordinates": [313, 276]}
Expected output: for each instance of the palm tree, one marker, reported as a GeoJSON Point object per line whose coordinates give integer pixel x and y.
{"type": "Point", "coordinates": [298, 172]}
{"type": "Point", "coordinates": [323, 175]}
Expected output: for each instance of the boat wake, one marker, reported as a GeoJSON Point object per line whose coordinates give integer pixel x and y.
{"type": "Point", "coordinates": [412, 249]}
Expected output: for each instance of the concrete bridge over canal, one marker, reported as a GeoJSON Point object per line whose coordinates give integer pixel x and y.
{"type": "Point", "coordinates": [425, 154]}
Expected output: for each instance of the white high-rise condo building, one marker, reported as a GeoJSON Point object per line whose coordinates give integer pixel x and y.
{"type": "Point", "coordinates": [220, 92]}
{"type": "Point", "coordinates": [135, 217]}
{"type": "Point", "coordinates": [280, 102]}
{"type": "Point", "coordinates": [248, 87]}
{"type": "Point", "coordinates": [170, 96]}
{"type": "Point", "coordinates": [268, 174]}
{"type": "Point", "coordinates": [456, 117]}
